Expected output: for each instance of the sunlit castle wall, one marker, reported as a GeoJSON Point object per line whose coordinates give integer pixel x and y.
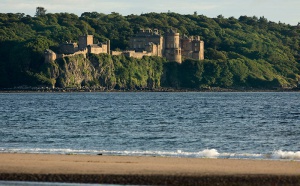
{"type": "Point", "coordinates": [202, 50]}
{"type": "Point", "coordinates": [49, 56]}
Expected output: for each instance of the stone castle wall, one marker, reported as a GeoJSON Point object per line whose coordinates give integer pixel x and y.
{"type": "Point", "coordinates": [98, 49]}
{"type": "Point", "coordinates": [132, 53]}
{"type": "Point", "coordinates": [83, 52]}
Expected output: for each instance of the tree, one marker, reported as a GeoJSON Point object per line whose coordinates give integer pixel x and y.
{"type": "Point", "coordinates": [191, 73]}
{"type": "Point", "coordinates": [40, 11]}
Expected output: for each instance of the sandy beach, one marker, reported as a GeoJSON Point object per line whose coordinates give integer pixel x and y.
{"type": "Point", "coordinates": [147, 170]}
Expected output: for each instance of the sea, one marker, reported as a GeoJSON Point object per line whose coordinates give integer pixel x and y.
{"type": "Point", "coordinates": [234, 125]}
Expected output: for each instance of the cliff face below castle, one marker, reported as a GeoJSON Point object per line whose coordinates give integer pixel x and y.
{"type": "Point", "coordinates": [73, 71]}
{"type": "Point", "coordinates": [103, 71]}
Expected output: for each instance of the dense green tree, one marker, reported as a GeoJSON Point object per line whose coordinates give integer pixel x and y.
{"type": "Point", "coordinates": [191, 73]}
{"type": "Point", "coordinates": [40, 11]}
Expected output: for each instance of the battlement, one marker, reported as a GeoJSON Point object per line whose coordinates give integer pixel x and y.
{"type": "Point", "coordinates": [148, 32]}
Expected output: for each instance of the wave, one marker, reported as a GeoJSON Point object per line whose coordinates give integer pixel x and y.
{"type": "Point", "coordinates": [286, 155]}
{"type": "Point", "coordinates": [206, 153]}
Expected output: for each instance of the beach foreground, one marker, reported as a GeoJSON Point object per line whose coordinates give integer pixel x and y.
{"type": "Point", "coordinates": [147, 170]}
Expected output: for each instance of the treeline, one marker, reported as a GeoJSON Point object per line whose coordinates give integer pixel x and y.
{"type": "Point", "coordinates": [243, 52]}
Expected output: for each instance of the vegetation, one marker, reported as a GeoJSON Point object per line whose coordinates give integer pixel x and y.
{"type": "Point", "coordinates": [243, 52]}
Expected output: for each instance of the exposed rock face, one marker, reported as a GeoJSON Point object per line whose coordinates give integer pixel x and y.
{"type": "Point", "coordinates": [102, 71]}
{"type": "Point", "coordinates": [78, 71]}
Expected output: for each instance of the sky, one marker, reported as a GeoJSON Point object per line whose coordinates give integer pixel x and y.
{"type": "Point", "coordinates": [285, 11]}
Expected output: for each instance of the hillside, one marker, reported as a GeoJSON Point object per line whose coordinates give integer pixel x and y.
{"type": "Point", "coordinates": [244, 52]}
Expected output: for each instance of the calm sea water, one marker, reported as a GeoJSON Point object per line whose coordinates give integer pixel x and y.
{"type": "Point", "coordinates": [218, 125]}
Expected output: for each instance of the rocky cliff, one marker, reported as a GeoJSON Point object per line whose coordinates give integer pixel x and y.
{"type": "Point", "coordinates": [104, 71]}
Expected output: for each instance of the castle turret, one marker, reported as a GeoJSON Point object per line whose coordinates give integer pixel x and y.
{"type": "Point", "coordinates": [172, 46]}
{"type": "Point", "coordinates": [49, 56]}
{"type": "Point", "coordinates": [84, 41]}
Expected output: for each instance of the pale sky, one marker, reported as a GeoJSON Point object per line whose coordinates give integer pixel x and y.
{"type": "Point", "coordinates": [285, 11]}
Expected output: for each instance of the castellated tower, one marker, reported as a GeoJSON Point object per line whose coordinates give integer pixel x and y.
{"type": "Point", "coordinates": [192, 47]}
{"type": "Point", "coordinates": [172, 47]}
{"type": "Point", "coordinates": [84, 41]}
{"type": "Point", "coordinates": [197, 48]}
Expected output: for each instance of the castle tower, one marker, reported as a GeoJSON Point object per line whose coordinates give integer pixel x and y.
{"type": "Point", "coordinates": [192, 47]}
{"type": "Point", "coordinates": [49, 55]}
{"type": "Point", "coordinates": [84, 41]}
{"type": "Point", "coordinates": [198, 49]}
{"type": "Point", "coordinates": [172, 46]}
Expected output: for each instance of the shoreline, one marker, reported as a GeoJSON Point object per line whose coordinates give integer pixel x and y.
{"type": "Point", "coordinates": [70, 90]}
{"type": "Point", "coordinates": [146, 170]}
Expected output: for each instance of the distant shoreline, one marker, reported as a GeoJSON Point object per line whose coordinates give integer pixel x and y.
{"type": "Point", "coordinates": [145, 170]}
{"type": "Point", "coordinates": [168, 89]}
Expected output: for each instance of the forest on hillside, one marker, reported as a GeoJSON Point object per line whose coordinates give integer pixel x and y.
{"type": "Point", "coordinates": [239, 52]}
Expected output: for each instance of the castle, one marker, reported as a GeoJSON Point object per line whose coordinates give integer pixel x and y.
{"type": "Point", "coordinates": [171, 46]}
{"type": "Point", "coordinates": [146, 43]}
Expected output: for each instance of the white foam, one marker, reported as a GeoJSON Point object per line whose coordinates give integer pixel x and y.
{"type": "Point", "coordinates": [286, 155]}
{"type": "Point", "coordinates": [206, 153]}
{"type": "Point", "coordinates": [209, 153]}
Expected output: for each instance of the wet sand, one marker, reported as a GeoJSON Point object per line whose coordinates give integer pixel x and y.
{"type": "Point", "coordinates": [147, 170]}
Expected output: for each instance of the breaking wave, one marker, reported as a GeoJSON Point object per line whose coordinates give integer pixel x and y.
{"type": "Point", "coordinates": [206, 153]}
{"type": "Point", "coordinates": [286, 155]}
